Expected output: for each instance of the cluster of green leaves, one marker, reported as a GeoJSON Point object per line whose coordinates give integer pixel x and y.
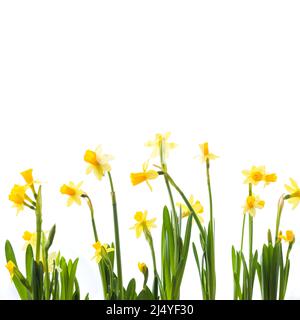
{"type": "Point", "coordinates": [39, 283]}
{"type": "Point", "coordinates": [206, 268]}
{"type": "Point", "coordinates": [273, 271]}
{"type": "Point", "coordinates": [131, 294]}
{"type": "Point", "coordinates": [110, 281]}
{"type": "Point", "coordinates": [174, 253]}
{"type": "Point", "coordinates": [243, 291]}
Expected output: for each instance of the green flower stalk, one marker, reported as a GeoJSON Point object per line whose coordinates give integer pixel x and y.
{"type": "Point", "coordinates": [38, 215]}
{"type": "Point", "coordinates": [207, 270]}
{"type": "Point", "coordinates": [149, 239]}
{"type": "Point", "coordinates": [98, 162]}
{"type": "Point", "coordinates": [163, 148]}
{"type": "Point", "coordinates": [173, 248]}
{"type": "Point", "coordinates": [117, 237]}
{"type": "Point", "coordinates": [211, 240]}
{"type": "Point", "coordinates": [101, 267]}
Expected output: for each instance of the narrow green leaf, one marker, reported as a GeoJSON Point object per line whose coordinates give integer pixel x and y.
{"type": "Point", "coordinates": [10, 256]}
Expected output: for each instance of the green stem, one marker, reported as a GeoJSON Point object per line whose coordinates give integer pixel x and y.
{"type": "Point", "coordinates": [184, 198]}
{"type": "Point", "coordinates": [117, 237]}
{"type": "Point", "coordinates": [250, 249]}
{"type": "Point", "coordinates": [250, 230]}
{"type": "Point", "coordinates": [89, 202]}
{"type": "Point", "coordinates": [174, 216]}
{"type": "Point", "coordinates": [47, 277]}
{"type": "Point", "coordinates": [211, 254]}
{"type": "Point", "coordinates": [209, 192]}
{"type": "Point", "coordinates": [29, 206]}
{"type": "Point", "coordinates": [100, 267]}
{"type": "Point", "coordinates": [243, 231]}
{"type": "Point", "coordinates": [279, 212]}
{"type": "Point", "coordinates": [38, 216]}
{"type": "Point", "coordinates": [155, 283]}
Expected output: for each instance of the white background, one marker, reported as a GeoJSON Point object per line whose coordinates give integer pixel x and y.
{"type": "Point", "coordinates": [75, 74]}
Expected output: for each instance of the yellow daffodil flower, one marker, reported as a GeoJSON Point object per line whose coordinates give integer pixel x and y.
{"type": "Point", "coordinates": [98, 162]}
{"type": "Point", "coordinates": [269, 178]}
{"type": "Point", "coordinates": [142, 224]}
{"type": "Point", "coordinates": [73, 191]}
{"type": "Point", "coordinates": [255, 175]}
{"type": "Point", "coordinates": [100, 249]}
{"type": "Point", "coordinates": [30, 239]}
{"type": "Point", "coordinates": [10, 266]}
{"type": "Point", "coordinates": [206, 155]}
{"type": "Point", "coordinates": [161, 140]}
{"type": "Point", "coordinates": [27, 175]}
{"type": "Point", "coordinates": [252, 203]}
{"type": "Point", "coordinates": [288, 237]}
{"type": "Point", "coordinates": [196, 205]}
{"type": "Point", "coordinates": [142, 267]}
{"type": "Point", "coordinates": [294, 192]}
{"type": "Point", "coordinates": [145, 176]}
{"type": "Point", "coordinates": [18, 196]}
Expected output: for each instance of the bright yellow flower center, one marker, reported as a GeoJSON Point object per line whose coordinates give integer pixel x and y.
{"type": "Point", "coordinates": [67, 190]}
{"type": "Point", "coordinates": [205, 149]}
{"type": "Point", "coordinates": [250, 202]}
{"type": "Point", "coordinates": [257, 176]}
{"type": "Point", "coordinates": [27, 236]}
{"type": "Point", "coordinates": [10, 266]}
{"type": "Point", "coordinates": [27, 175]}
{"type": "Point", "coordinates": [17, 194]}
{"type": "Point", "coordinates": [139, 216]}
{"type": "Point", "coordinates": [91, 157]}
{"type": "Point", "coordinates": [97, 245]}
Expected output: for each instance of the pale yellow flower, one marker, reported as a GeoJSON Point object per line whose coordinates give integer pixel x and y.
{"type": "Point", "coordinates": [73, 191]}
{"type": "Point", "coordinates": [252, 203]}
{"type": "Point", "coordinates": [288, 237]}
{"type": "Point", "coordinates": [254, 175]}
{"type": "Point", "coordinates": [10, 266]}
{"type": "Point", "coordinates": [195, 204]}
{"type": "Point", "coordinates": [100, 250]}
{"type": "Point", "coordinates": [142, 224]}
{"type": "Point", "coordinates": [159, 142]}
{"type": "Point", "coordinates": [294, 192]}
{"type": "Point", "coordinates": [30, 239]}
{"type": "Point", "coordinates": [206, 155]}
{"type": "Point", "coordinates": [145, 176]}
{"type": "Point", "coordinates": [98, 162]}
